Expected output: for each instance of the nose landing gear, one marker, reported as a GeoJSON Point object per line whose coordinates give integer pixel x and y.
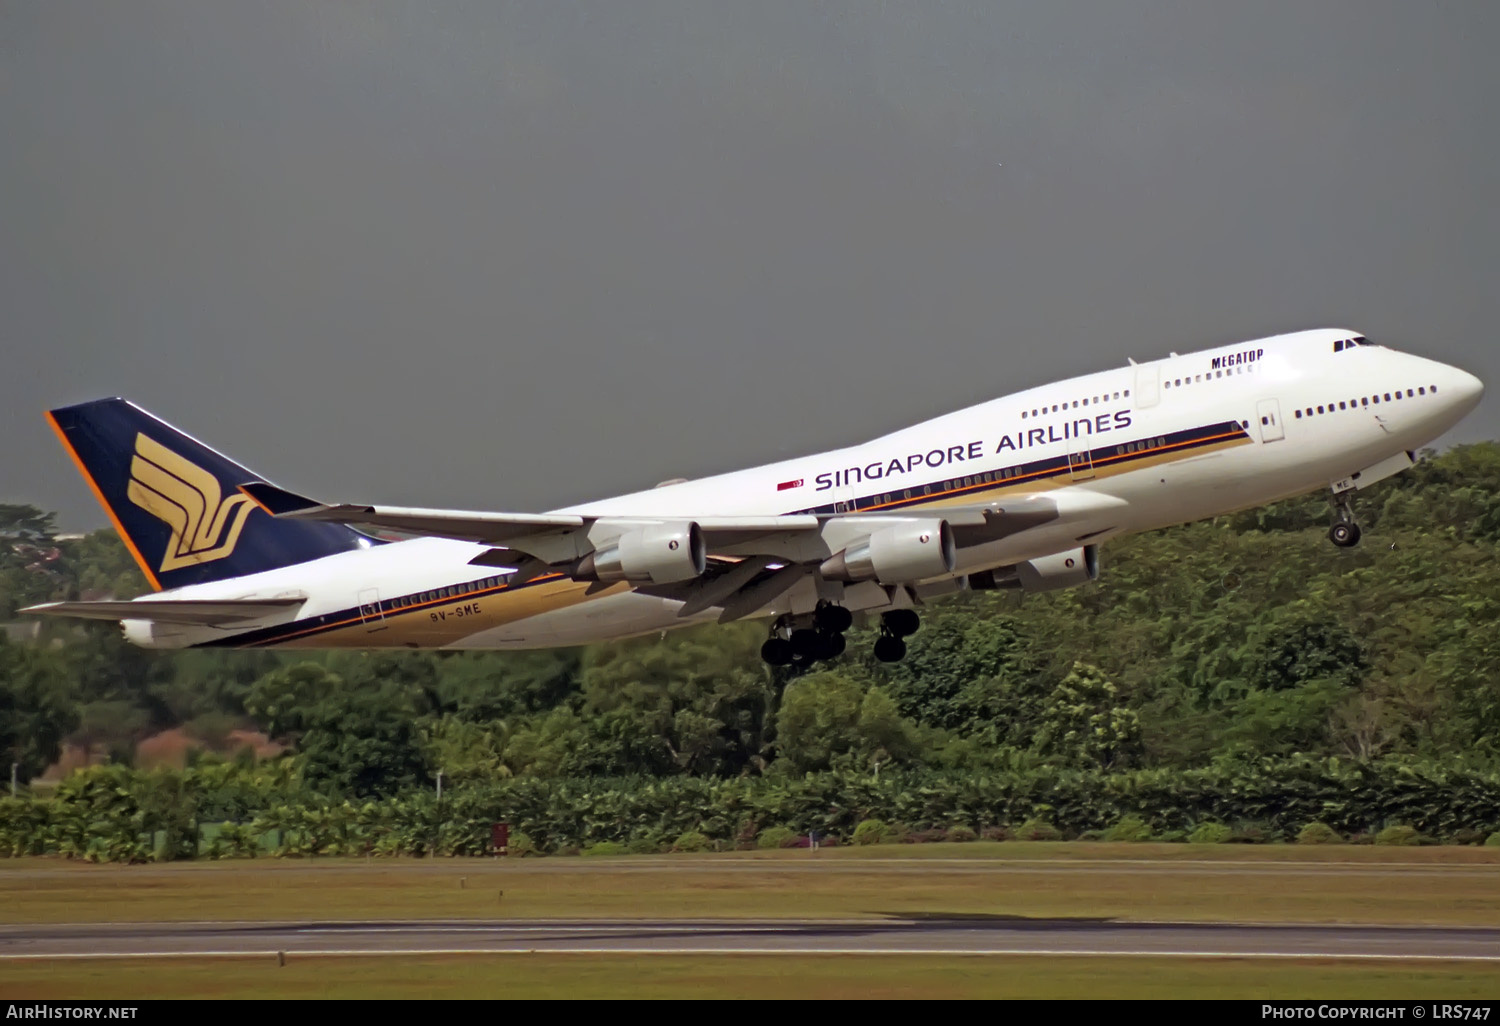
{"type": "Point", "coordinates": [1345, 532]}
{"type": "Point", "coordinates": [1344, 535]}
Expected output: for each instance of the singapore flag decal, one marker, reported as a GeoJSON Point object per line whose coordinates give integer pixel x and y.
{"type": "Point", "coordinates": [789, 484]}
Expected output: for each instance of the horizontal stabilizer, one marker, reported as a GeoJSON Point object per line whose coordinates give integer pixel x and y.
{"type": "Point", "coordinates": [278, 501]}
{"type": "Point", "coordinates": [195, 612]}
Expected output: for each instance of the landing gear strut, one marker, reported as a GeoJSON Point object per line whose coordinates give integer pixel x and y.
{"type": "Point", "coordinates": [1345, 532]}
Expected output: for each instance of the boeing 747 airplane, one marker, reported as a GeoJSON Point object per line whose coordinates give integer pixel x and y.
{"type": "Point", "coordinates": [1018, 492]}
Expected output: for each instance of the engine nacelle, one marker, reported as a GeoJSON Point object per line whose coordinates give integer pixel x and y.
{"type": "Point", "coordinates": [899, 554]}
{"type": "Point", "coordinates": [1060, 570]}
{"type": "Point", "coordinates": [154, 634]}
{"type": "Point", "coordinates": [655, 554]}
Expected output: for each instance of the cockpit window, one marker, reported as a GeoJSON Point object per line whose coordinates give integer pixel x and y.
{"type": "Point", "coordinates": [1349, 343]}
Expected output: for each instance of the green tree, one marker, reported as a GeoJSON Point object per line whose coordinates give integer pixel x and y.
{"type": "Point", "coordinates": [481, 687]}
{"type": "Point", "coordinates": [970, 673]}
{"type": "Point", "coordinates": [36, 708]}
{"type": "Point", "coordinates": [1317, 650]}
{"type": "Point", "coordinates": [356, 740]}
{"type": "Point", "coordinates": [29, 567]}
{"type": "Point", "coordinates": [292, 700]}
{"type": "Point", "coordinates": [703, 693]}
{"type": "Point", "coordinates": [98, 565]}
{"type": "Point", "coordinates": [830, 719]}
{"type": "Point", "coordinates": [1085, 724]}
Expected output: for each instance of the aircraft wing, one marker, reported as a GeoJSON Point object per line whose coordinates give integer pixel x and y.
{"type": "Point", "coordinates": [555, 538]}
{"type": "Point", "coordinates": [487, 528]}
{"type": "Point", "coordinates": [522, 532]}
{"type": "Point", "coordinates": [192, 612]}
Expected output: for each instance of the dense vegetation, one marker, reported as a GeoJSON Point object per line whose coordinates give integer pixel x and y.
{"type": "Point", "coordinates": [1210, 661]}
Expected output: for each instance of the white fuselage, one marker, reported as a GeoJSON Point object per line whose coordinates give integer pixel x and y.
{"type": "Point", "coordinates": [1130, 449]}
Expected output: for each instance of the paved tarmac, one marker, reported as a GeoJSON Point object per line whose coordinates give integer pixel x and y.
{"type": "Point", "coordinates": [948, 934]}
{"type": "Point", "coordinates": [21, 874]}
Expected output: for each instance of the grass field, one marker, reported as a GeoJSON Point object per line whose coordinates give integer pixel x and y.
{"type": "Point", "coordinates": [744, 976]}
{"type": "Point", "coordinates": [1452, 886]}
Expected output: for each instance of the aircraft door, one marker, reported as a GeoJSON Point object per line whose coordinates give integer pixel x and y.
{"type": "Point", "coordinates": [1080, 464]}
{"type": "Point", "coordinates": [845, 498]}
{"type": "Point", "coordinates": [370, 613]}
{"type": "Point", "coordinates": [1147, 385]}
{"type": "Point", "coordinates": [1269, 412]}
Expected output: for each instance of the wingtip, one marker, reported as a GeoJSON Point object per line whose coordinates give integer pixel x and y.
{"type": "Point", "coordinates": [40, 609]}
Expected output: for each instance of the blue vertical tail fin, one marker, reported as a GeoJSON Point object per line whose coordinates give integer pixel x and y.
{"type": "Point", "coordinates": [176, 503]}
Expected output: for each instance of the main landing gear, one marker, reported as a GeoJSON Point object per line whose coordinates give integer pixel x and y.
{"type": "Point", "coordinates": [1345, 532]}
{"type": "Point", "coordinates": [804, 639]}
{"type": "Point", "coordinates": [895, 626]}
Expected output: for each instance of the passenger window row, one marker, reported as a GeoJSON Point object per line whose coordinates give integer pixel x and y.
{"type": "Point", "coordinates": [1367, 400]}
{"type": "Point", "coordinates": [950, 485]}
{"type": "Point", "coordinates": [456, 591]}
{"type": "Point", "coordinates": [1239, 368]}
{"type": "Point", "coordinates": [1141, 446]}
{"type": "Point", "coordinates": [1076, 404]}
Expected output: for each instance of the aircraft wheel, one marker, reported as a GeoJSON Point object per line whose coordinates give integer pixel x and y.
{"type": "Point", "coordinates": [889, 649]}
{"type": "Point", "coordinates": [807, 645]}
{"type": "Point", "coordinates": [902, 622]}
{"type": "Point", "coordinates": [776, 651]}
{"type": "Point", "coordinates": [1344, 534]}
{"type": "Point", "coordinates": [833, 646]}
{"type": "Point", "coordinates": [833, 619]}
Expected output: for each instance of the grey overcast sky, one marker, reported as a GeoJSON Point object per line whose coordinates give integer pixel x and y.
{"type": "Point", "coordinates": [518, 255]}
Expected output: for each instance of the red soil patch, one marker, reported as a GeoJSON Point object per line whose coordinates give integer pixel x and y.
{"type": "Point", "coordinates": [169, 748]}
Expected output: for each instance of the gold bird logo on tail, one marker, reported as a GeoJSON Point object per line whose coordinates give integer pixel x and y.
{"type": "Point", "coordinates": [205, 526]}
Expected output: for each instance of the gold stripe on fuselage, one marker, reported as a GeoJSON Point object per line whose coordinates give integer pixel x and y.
{"type": "Point", "coordinates": [435, 624]}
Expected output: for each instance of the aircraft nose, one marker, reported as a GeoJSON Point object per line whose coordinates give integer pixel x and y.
{"type": "Point", "coordinates": [1457, 392]}
{"type": "Point", "coordinates": [1467, 387]}
{"type": "Point", "coordinates": [1464, 390]}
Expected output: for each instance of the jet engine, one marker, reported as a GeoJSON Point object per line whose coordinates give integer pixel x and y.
{"type": "Point", "coordinates": [655, 554]}
{"type": "Point", "coordinates": [1049, 573]}
{"type": "Point", "coordinates": [899, 554]}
